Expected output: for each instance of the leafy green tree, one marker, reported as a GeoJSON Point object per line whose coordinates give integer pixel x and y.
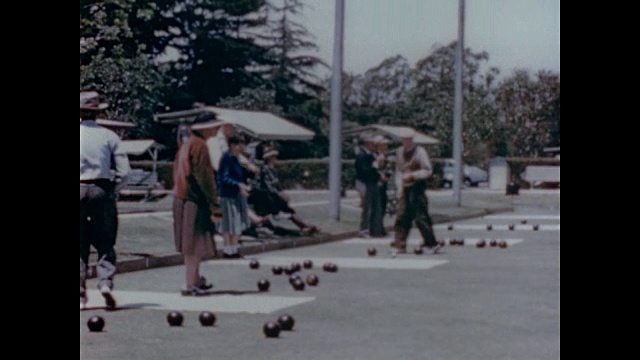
{"type": "Point", "coordinates": [215, 52]}
{"type": "Point", "coordinates": [530, 111]}
{"type": "Point", "coordinates": [432, 100]}
{"type": "Point", "coordinates": [289, 44]}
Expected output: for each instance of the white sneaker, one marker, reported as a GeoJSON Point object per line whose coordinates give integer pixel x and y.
{"type": "Point", "coordinates": [109, 300]}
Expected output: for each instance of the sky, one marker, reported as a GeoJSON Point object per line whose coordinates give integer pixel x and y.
{"type": "Point", "coordinates": [517, 34]}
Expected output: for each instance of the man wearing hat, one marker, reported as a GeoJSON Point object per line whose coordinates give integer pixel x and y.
{"type": "Point", "coordinates": [413, 168]}
{"type": "Point", "coordinates": [367, 178]}
{"type": "Point", "coordinates": [104, 167]}
{"type": "Point", "coordinates": [195, 205]}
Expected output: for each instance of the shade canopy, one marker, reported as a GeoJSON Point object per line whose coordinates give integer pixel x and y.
{"type": "Point", "coordinates": [394, 132]}
{"type": "Point", "coordinates": [259, 124]}
{"type": "Point", "coordinates": [138, 147]}
{"type": "Point", "coordinates": [115, 123]}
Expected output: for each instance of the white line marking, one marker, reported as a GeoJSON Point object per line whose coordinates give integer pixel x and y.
{"type": "Point", "coordinates": [145, 215]}
{"type": "Point", "coordinates": [423, 263]}
{"type": "Point", "coordinates": [523, 217]}
{"type": "Point", "coordinates": [418, 241]}
{"type": "Point", "coordinates": [224, 303]}
{"type": "Point", "coordinates": [517, 227]}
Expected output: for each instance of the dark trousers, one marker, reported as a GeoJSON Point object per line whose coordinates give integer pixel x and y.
{"type": "Point", "coordinates": [372, 217]}
{"type": "Point", "coordinates": [414, 206]}
{"type": "Point", "coordinates": [98, 228]}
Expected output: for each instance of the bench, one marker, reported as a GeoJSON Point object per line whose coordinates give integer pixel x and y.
{"type": "Point", "coordinates": [536, 174]}
{"type": "Point", "coordinates": [140, 181]}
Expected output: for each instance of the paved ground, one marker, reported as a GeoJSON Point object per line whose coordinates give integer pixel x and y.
{"type": "Point", "coordinates": [466, 303]}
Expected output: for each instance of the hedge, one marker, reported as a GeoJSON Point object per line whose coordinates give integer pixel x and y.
{"type": "Point", "coordinates": [292, 172]}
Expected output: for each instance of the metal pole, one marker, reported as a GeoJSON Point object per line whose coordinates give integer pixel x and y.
{"type": "Point", "coordinates": [457, 109]}
{"type": "Point", "coordinates": [335, 131]}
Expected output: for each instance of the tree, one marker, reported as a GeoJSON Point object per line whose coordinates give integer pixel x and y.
{"type": "Point", "coordinates": [530, 111]}
{"type": "Point", "coordinates": [288, 44]}
{"type": "Point", "coordinates": [433, 96]}
{"type": "Point", "coordinates": [113, 63]}
{"type": "Point", "coordinates": [215, 52]}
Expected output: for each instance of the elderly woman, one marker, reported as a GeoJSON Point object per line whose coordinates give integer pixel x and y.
{"type": "Point", "coordinates": [195, 205]}
{"type": "Point", "coordinates": [268, 197]}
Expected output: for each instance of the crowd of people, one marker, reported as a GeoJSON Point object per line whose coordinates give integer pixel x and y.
{"type": "Point", "coordinates": [219, 188]}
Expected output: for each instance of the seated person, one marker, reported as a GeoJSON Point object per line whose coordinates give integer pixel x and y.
{"type": "Point", "coordinates": [268, 198]}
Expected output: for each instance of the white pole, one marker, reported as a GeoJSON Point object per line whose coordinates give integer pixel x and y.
{"type": "Point", "coordinates": [457, 110]}
{"type": "Point", "coordinates": [335, 131]}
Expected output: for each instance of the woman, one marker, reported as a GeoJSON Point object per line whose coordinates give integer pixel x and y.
{"type": "Point", "coordinates": [233, 192]}
{"type": "Point", "coordinates": [268, 197]}
{"type": "Point", "coordinates": [195, 205]}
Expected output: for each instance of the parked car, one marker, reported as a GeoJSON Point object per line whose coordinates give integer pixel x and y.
{"type": "Point", "coordinates": [471, 175]}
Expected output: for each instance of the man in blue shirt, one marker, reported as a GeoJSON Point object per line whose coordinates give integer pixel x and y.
{"type": "Point", "coordinates": [103, 171]}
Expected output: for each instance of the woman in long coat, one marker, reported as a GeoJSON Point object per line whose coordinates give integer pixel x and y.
{"type": "Point", "coordinates": [195, 207]}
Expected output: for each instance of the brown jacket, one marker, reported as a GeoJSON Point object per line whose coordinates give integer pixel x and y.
{"type": "Point", "coordinates": [193, 177]}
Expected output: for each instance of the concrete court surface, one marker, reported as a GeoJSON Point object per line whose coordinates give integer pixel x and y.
{"type": "Point", "coordinates": [466, 303]}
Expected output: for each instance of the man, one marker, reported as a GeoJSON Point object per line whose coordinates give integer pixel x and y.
{"type": "Point", "coordinates": [367, 177]}
{"type": "Point", "coordinates": [103, 171]}
{"type": "Point", "coordinates": [413, 168]}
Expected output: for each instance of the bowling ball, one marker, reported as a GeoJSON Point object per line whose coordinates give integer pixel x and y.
{"type": "Point", "coordinates": [502, 244]}
{"type": "Point", "coordinates": [481, 243]}
{"type": "Point", "coordinates": [536, 227]}
{"type": "Point", "coordinates": [333, 267]}
{"type": "Point", "coordinates": [453, 242]}
{"type": "Point", "coordinates": [298, 284]}
{"type": "Point", "coordinates": [95, 323]}
{"type": "Point", "coordinates": [289, 270]}
{"type": "Point", "coordinates": [293, 278]}
{"type": "Point", "coordinates": [493, 243]}
{"type": "Point", "coordinates": [286, 322]}
{"type": "Point", "coordinates": [523, 221]}
{"type": "Point", "coordinates": [450, 227]}
{"type": "Point", "coordinates": [175, 318]}
{"type": "Point", "coordinates": [254, 264]}
{"type": "Point", "coordinates": [461, 242]}
{"type": "Point", "coordinates": [372, 251]}
{"type": "Point", "coordinates": [263, 285]}
{"type": "Point", "coordinates": [489, 227]}
{"type": "Point", "coordinates": [277, 270]}
{"type": "Point", "coordinates": [271, 329]}
{"type": "Point", "coordinates": [307, 264]}
{"type": "Point", "coordinates": [512, 226]}
{"type": "Point", "coordinates": [296, 267]}
{"type": "Point", "coordinates": [312, 280]}
{"type": "Point", "coordinates": [326, 266]}
{"type": "Point", "coordinates": [418, 250]}
{"type": "Point", "coordinates": [207, 318]}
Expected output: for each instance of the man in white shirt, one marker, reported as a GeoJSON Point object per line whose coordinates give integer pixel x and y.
{"type": "Point", "coordinates": [104, 167]}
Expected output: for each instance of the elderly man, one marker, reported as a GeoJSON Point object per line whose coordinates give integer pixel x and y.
{"type": "Point", "coordinates": [413, 168]}
{"type": "Point", "coordinates": [367, 178]}
{"type": "Point", "coordinates": [104, 167]}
